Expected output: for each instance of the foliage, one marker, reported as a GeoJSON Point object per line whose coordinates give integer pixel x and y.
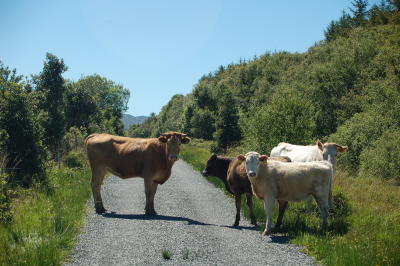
{"type": "Point", "coordinates": [97, 104]}
{"type": "Point", "coordinates": [21, 131]}
{"type": "Point", "coordinates": [74, 159]}
{"type": "Point", "coordinates": [45, 222]}
{"type": "Point", "coordinates": [74, 138]}
{"type": "Point", "coordinates": [227, 127]}
{"type": "Point", "coordinates": [6, 194]}
{"type": "Point", "coordinates": [288, 118]}
{"type": "Point", "coordinates": [382, 158]}
{"type": "Point", "coordinates": [51, 92]}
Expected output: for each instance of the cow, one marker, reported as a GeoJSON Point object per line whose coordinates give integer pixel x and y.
{"type": "Point", "coordinates": [295, 181]}
{"type": "Point", "coordinates": [149, 158]}
{"type": "Point", "coordinates": [237, 183]}
{"type": "Point", "coordinates": [317, 152]}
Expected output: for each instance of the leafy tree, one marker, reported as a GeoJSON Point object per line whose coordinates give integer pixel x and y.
{"type": "Point", "coordinates": [51, 88]}
{"type": "Point", "coordinates": [227, 128]}
{"type": "Point", "coordinates": [97, 104]}
{"type": "Point", "coordinates": [22, 133]}
{"type": "Point", "coordinates": [287, 118]}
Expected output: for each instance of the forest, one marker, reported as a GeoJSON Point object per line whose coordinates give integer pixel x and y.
{"type": "Point", "coordinates": [345, 89]}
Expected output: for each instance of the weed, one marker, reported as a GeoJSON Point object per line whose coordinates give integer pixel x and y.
{"type": "Point", "coordinates": [166, 254]}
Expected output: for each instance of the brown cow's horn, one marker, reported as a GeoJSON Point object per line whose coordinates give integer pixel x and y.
{"type": "Point", "coordinates": [184, 135]}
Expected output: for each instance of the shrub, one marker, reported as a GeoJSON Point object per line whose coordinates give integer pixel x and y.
{"type": "Point", "coordinates": [287, 118]}
{"type": "Point", "coordinates": [382, 158]}
{"type": "Point", "coordinates": [74, 159]}
{"type": "Point", "coordinates": [359, 133]}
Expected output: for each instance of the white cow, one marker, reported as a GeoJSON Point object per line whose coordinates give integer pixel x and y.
{"type": "Point", "coordinates": [274, 180]}
{"type": "Point", "coordinates": [317, 152]}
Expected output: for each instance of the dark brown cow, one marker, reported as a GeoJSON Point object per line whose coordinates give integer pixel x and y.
{"type": "Point", "coordinates": [151, 159]}
{"type": "Point", "coordinates": [237, 183]}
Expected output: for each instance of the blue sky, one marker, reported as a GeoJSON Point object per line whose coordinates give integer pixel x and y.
{"type": "Point", "coordinates": [156, 49]}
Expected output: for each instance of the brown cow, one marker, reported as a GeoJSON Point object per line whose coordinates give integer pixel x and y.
{"type": "Point", "coordinates": [151, 159]}
{"type": "Point", "coordinates": [237, 183]}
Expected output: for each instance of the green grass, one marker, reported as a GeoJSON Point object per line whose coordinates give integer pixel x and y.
{"type": "Point", "coordinates": [166, 254]}
{"type": "Point", "coordinates": [364, 228]}
{"type": "Point", "coordinates": [46, 222]}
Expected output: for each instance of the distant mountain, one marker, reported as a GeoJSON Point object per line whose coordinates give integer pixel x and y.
{"type": "Point", "coordinates": [128, 120]}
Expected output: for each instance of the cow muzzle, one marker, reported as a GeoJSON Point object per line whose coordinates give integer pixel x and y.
{"type": "Point", "coordinates": [252, 174]}
{"type": "Point", "coordinates": [173, 157]}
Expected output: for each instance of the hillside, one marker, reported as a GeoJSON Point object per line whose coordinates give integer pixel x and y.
{"type": "Point", "coordinates": [343, 89]}
{"type": "Point", "coordinates": [129, 120]}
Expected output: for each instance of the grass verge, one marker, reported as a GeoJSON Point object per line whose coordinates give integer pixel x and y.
{"type": "Point", "coordinates": [365, 222]}
{"type": "Point", "coordinates": [46, 222]}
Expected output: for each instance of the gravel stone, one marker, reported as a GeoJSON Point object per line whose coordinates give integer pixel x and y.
{"type": "Point", "coordinates": [193, 223]}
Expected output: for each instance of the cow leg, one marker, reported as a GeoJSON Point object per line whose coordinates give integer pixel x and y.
{"type": "Point", "coordinates": [97, 180]}
{"type": "Point", "coordinates": [249, 201]}
{"type": "Point", "coordinates": [150, 188]}
{"type": "Point", "coordinates": [238, 205]}
{"type": "Point", "coordinates": [323, 205]}
{"type": "Point", "coordinates": [309, 204]}
{"type": "Point", "coordinates": [282, 208]}
{"type": "Point", "coordinates": [269, 209]}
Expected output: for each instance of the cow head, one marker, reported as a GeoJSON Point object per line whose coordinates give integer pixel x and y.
{"type": "Point", "coordinates": [253, 160]}
{"type": "Point", "coordinates": [173, 141]}
{"type": "Point", "coordinates": [329, 151]}
{"type": "Point", "coordinates": [210, 166]}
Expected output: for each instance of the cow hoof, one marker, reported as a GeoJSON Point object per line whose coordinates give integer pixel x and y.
{"type": "Point", "coordinates": [100, 210]}
{"type": "Point", "coordinates": [266, 232]}
{"type": "Point", "coordinates": [235, 224]}
{"type": "Point", "coordinates": [150, 213]}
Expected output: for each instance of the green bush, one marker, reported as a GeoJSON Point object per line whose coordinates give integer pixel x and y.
{"type": "Point", "coordinates": [288, 118]}
{"type": "Point", "coordinates": [74, 160]}
{"type": "Point", "coordinates": [358, 133]}
{"type": "Point", "coordinates": [382, 158]}
{"type": "Point", "coordinates": [5, 200]}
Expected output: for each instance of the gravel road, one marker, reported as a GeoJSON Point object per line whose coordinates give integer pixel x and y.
{"type": "Point", "coordinates": [194, 224]}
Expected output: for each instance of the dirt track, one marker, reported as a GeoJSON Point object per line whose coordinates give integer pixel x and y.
{"type": "Point", "coordinates": [194, 224]}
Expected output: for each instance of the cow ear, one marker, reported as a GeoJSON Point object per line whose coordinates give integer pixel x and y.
{"type": "Point", "coordinates": [163, 139]}
{"type": "Point", "coordinates": [341, 148]}
{"type": "Point", "coordinates": [241, 158]}
{"type": "Point", "coordinates": [320, 145]}
{"type": "Point", "coordinates": [263, 158]}
{"type": "Point", "coordinates": [185, 140]}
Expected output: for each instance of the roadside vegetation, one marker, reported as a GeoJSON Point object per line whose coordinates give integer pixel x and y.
{"type": "Point", "coordinates": [44, 176]}
{"type": "Point", "coordinates": [344, 89]}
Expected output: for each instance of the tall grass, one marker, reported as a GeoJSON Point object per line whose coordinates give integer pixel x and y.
{"type": "Point", "coordinates": [364, 228]}
{"type": "Point", "coordinates": [46, 221]}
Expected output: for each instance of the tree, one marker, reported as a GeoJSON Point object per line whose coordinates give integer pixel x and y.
{"type": "Point", "coordinates": [227, 128]}
{"type": "Point", "coordinates": [21, 141]}
{"type": "Point", "coordinates": [106, 101]}
{"type": "Point", "coordinates": [51, 88]}
{"type": "Point", "coordinates": [359, 11]}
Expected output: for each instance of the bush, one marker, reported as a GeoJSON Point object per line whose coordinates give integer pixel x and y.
{"type": "Point", "coordinates": [74, 160]}
{"type": "Point", "coordinates": [359, 133]}
{"type": "Point", "coordinates": [382, 158]}
{"type": "Point", "coordinates": [287, 118]}
{"type": "Point", "coordinates": [5, 200]}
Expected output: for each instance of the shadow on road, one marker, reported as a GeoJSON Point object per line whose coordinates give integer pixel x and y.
{"type": "Point", "coordinates": [280, 239]}
{"type": "Point", "coordinates": [154, 217]}
{"type": "Point", "coordinates": [240, 227]}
